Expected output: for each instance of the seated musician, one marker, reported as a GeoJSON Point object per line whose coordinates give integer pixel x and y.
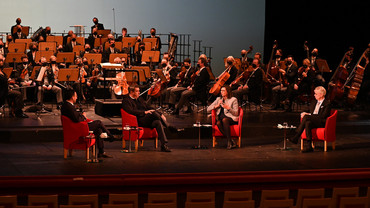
{"type": "Point", "coordinates": [68, 109]}
{"type": "Point", "coordinates": [306, 75]}
{"type": "Point", "coordinates": [69, 46]}
{"type": "Point", "coordinates": [172, 93]}
{"type": "Point", "coordinates": [231, 69]}
{"type": "Point", "coordinates": [138, 54]}
{"type": "Point", "coordinates": [169, 71]}
{"type": "Point", "coordinates": [146, 116]}
{"type": "Point", "coordinates": [88, 50]}
{"type": "Point", "coordinates": [14, 96]}
{"type": "Point", "coordinates": [227, 111]}
{"type": "Point", "coordinates": [252, 86]}
{"type": "Point", "coordinates": [316, 118]}
{"type": "Point", "coordinates": [258, 56]}
{"type": "Point", "coordinates": [110, 50]}
{"type": "Point", "coordinates": [124, 35]}
{"type": "Point", "coordinates": [25, 70]}
{"type": "Point", "coordinates": [46, 32]}
{"type": "Point", "coordinates": [158, 45]}
{"type": "Point", "coordinates": [3, 51]}
{"type": "Point", "coordinates": [97, 25]}
{"type": "Point", "coordinates": [80, 85]}
{"type": "Point", "coordinates": [47, 83]}
{"type": "Point", "coordinates": [244, 61]}
{"type": "Point", "coordinates": [65, 38]}
{"type": "Point", "coordinates": [18, 21]}
{"type": "Point", "coordinates": [33, 46]}
{"type": "Point", "coordinates": [19, 34]}
{"type": "Point", "coordinates": [198, 88]}
{"type": "Point", "coordinates": [319, 79]}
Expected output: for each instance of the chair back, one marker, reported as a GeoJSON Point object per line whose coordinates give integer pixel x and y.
{"type": "Point", "coordinates": [50, 200]}
{"type": "Point", "coordinates": [304, 194]}
{"type": "Point", "coordinates": [73, 132]}
{"type": "Point", "coordinates": [353, 202]}
{"type": "Point", "coordinates": [316, 203]}
{"type": "Point", "coordinates": [8, 201]}
{"type": "Point", "coordinates": [91, 200]}
{"type": "Point", "coordinates": [239, 204]}
{"type": "Point", "coordinates": [131, 120]}
{"type": "Point", "coordinates": [162, 198]}
{"type": "Point", "coordinates": [124, 199]}
{"type": "Point", "coordinates": [238, 195]}
{"type": "Point", "coordinates": [200, 196]}
{"type": "Point", "coordinates": [330, 126]}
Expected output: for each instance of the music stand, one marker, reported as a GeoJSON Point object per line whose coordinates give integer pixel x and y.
{"type": "Point", "coordinates": [25, 30]}
{"type": "Point", "coordinates": [14, 57]}
{"type": "Point", "coordinates": [99, 41]}
{"type": "Point", "coordinates": [128, 42]}
{"type": "Point", "coordinates": [94, 57]}
{"type": "Point", "coordinates": [48, 46]}
{"type": "Point", "coordinates": [131, 75]}
{"type": "Point", "coordinates": [67, 57]}
{"type": "Point", "coordinates": [46, 54]}
{"type": "Point", "coordinates": [57, 39]}
{"type": "Point", "coordinates": [154, 55]}
{"type": "Point", "coordinates": [148, 46]}
{"type": "Point", "coordinates": [103, 33]}
{"type": "Point", "coordinates": [152, 41]}
{"type": "Point", "coordinates": [322, 65]}
{"type": "Point", "coordinates": [112, 56]}
{"type": "Point", "coordinates": [78, 48]}
{"type": "Point", "coordinates": [26, 41]}
{"type": "Point", "coordinates": [17, 47]}
{"type": "Point", "coordinates": [68, 75]}
{"type": "Point", "coordinates": [146, 70]}
{"type": "Point", "coordinates": [8, 72]}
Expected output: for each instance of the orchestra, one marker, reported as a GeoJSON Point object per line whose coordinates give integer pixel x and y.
{"type": "Point", "coordinates": [282, 79]}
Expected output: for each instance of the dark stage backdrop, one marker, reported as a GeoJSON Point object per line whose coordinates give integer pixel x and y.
{"type": "Point", "coordinates": [330, 26]}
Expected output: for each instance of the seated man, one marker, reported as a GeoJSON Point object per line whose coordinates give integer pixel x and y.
{"type": "Point", "coordinates": [146, 116]}
{"type": "Point", "coordinates": [69, 110]}
{"type": "Point", "coordinates": [319, 111]}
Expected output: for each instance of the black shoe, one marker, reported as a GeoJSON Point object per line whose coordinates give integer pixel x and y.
{"type": "Point", "coordinates": [21, 115]}
{"type": "Point", "coordinates": [231, 145]}
{"type": "Point", "coordinates": [104, 155]}
{"type": "Point", "coordinates": [294, 139]}
{"type": "Point", "coordinates": [164, 148]}
{"type": "Point", "coordinates": [308, 148]}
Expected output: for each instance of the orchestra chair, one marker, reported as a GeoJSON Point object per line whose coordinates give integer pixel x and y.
{"type": "Point", "coordinates": [142, 134]}
{"type": "Point", "coordinates": [339, 193]}
{"type": "Point", "coordinates": [78, 136]}
{"type": "Point", "coordinates": [199, 204]}
{"type": "Point", "coordinates": [76, 206]}
{"type": "Point", "coordinates": [236, 130]}
{"type": "Point", "coordinates": [80, 40]}
{"type": "Point", "coordinates": [304, 194]}
{"type": "Point", "coordinates": [57, 39]}
{"type": "Point", "coordinates": [162, 198]}
{"type": "Point", "coordinates": [317, 203]}
{"type": "Point", "coordinates": [91, 200]}
{"type": "Point", "coordinates": [326, 134]}
{"type": "Point", "coordinates": [267, 195]}
{"type": "Point", "coordinates": [117, 206]}
{"type": "Point", "coordinates": [132, 199]}
{"type": "Point", "coordinates": [50, 200]}
{"type": "Point", "coordinates": [200, 197]}
{"type": "Point", "coordinates": [9, 201]}
{"type": "Point", "coordinates": [239, 204]}
{"type": "Point", "coordinates": [160, 205]}
{"type": "Point", "coordinates": [26, 41]}
{"type": "Point", "coordinates": [353, 202]}
{"type": "Point", "coordinates": [238, 195]}
{"type": "Point", "coordinates": [48, 46]}
{"type": "Point", "coordinates": [283, 203]}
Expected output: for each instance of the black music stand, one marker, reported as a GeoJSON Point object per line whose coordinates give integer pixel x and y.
{"type": "Point", "coordinates": [322, 65]}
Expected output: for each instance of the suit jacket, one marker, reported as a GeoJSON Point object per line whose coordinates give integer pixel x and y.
{"type": "Point", "coordinates": [232, 113]}
{"type": "Point", "coordinates": [15, 36]}
{"type": "Point", "coordinates": [324, 111]}
{"type": "Point", "coordinates": [107, 53]}
{"type": "Point", "coordinates": [136, 107]}
{"type": "Point", "coordinates": [292, 74]}
{"type": "Point", "coordinates": [255, 80]}
{"type": "Point", "coordinates": [69, 47]}
{"type": "Point", "coordinates": [233, 73]}
{"type": "Point", "coordinates": [100, 26]}
{"type": "Point", "coordinates": [187, 80]}
{"type": "Point", "coordinates": [70, 111]}
{"type": "Point", "coordinates": [159, 44]}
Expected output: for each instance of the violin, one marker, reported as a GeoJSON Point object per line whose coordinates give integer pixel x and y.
{"type": "Point", "coordinates": [182, 74]}
{"type": "Point", "coordinates": [122, 87]}
{"type": "Point", "coordinates": [244, 75]}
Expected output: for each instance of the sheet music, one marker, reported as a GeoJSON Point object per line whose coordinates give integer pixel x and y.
{"type": "Point", "coordinates": [41, 74]}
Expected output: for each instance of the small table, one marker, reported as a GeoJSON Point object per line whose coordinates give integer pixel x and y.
{"type": "Point", "coordinates": [129, 129]}
{"type": "Point", "coordinates": [285, 127]}
{"type": "Point", "coordinates": [94, 153]}
{"type": "Point", "coordinates": [199, 125]}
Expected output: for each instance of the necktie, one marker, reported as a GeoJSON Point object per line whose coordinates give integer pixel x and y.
{"type": "Point", "coordinates": [317, 107]}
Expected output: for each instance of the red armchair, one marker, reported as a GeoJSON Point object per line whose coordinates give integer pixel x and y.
{"type": "Point", "coordinates": [326, 134]}
{"type": "Point", "coordinates": [77, 136]}
{"type": "Point", "coordinates": [142, 134]}
{"type": "Point", "coordinates": [236, 130]}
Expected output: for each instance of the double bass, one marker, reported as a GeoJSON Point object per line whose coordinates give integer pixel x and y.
{"type": "Point", "coordinates": [337, 81]}
{"type": "Point", "coordinates": [356, 76]}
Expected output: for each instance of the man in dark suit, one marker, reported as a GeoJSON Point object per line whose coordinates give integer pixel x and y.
{"type": "Point", "coordinates": [319, 112]}
{"type": "Point", "coordinates": [252, 86]}
{"type": "Point", "coordinates": [158, 45]}
{"type": "Point", "coordinates": [68, 109]}
{"type": "Point", "coordinates": [146, 116]}
{"type": "Point", "coordinates": [110, 50]}
{"type": "Point", "coordinates": [69, 46]}
{"type": "Point", "coordinates": [199, 88]}
{"type": "Point", "coordinates": [18, 34]}
{"type": "Point", "coordinates": [97, 25]}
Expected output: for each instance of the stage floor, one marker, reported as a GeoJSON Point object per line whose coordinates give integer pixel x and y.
{"type": "Point", "coordinates": [34, 146]}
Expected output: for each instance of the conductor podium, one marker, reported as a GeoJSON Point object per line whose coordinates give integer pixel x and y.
{"type": "Point", "coordinates": [108, 107]}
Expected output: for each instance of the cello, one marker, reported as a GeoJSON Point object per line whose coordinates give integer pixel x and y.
{"type": "Point", "coordinates": [336, 83]}
{"type": "Point", "coordinates": [356, 76]}
{"type": "Point", "coordinates": [220, 81]}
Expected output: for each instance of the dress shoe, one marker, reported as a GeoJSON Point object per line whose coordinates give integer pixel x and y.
{"type": "Point", "coordinates": [21, 115]}
{"type": "Point", "coordinates": [308, 148]}
{"type": "Point", "coordinates": [165, 148]}
{"type": "Point", "coordinates": [294, 139]}
{"type": "Point", "coordinates": [104, 155]}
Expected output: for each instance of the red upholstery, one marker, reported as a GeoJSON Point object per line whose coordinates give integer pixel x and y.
{"type": "Point", "coordinates": [326, 134]}
{"type": "Point", "coordinates": [142, 134]}
{"type": "Point", "coordinates": [236, 130]}
{"type": "Point", "coordinates": [75, 134]}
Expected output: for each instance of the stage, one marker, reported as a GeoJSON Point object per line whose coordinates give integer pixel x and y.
{"type": "Point", "coordinates": [34, 147]}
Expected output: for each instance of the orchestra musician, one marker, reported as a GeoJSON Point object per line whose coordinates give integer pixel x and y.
{"type": "Point", "coordinates": [319, 79]}
{"type": "Point", "coordinates": [158, 45]}
{"type": "Point", "coordinates": [124, 35]}
{"type": "Point", "coordinates": [110, 50]}
{"type": "Point", "coordinates": [46, 32]}
{"type": "Point", "coordinates": [25, 70]}
{"type": "Point", "coordinates": [68, 109]}
{"type": "Point", "coordinates": [18, 21]}
{"type": "Point", "coordinates": [19, 34]}
{"type": "Point", "coordinates": [227, 111]}
{"type": "Point", "coordinates": [14, 96]}
{"type": "Point", "coordinates": [80, 86]}
{"type": "Point", "coordinates": [316, 118]}
{"type": "Point", "coordinates": [65, 38]}
{"type": "Point", "coordinates": [46, 82]}
{"type": "Point", "coordinates": [306, 76]}
{"type": "Point", "coordinates": [139, 53]}
{"type": "Point", "coordinates": [97, 25]}
{"type": "Point", "coordinates": [172, 93]}
{"type": "Point", "coordinates": [3, 51]}
{"type": "Point", "coordinates": [231, 69]}
{"type": "Point", "coordinates": [69, 46]}
{"type": "Point", "coordinates": [146, 115]}
{"type": "Point", "coordinates": [198, 87]}
{"type": "Point", "coordinates": [252, 86]}
{"type": "Point", "coordinates": [33, 46]}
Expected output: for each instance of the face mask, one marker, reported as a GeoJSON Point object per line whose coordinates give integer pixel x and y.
{"type": "Point", "coordinates": [229, 62]}
{"type": "Point", "coordinates": [19, 30]}
{"type": "Point", "coordinates": [96, 22]}
{"type": "Point", "coordinates": [53, 62]}
{"type": "Point", "coordinates": [34, 49]}
{"type": "Point", "coordinates": [164, 65]}
{"type": "Point", "coordinates": [86, 63]}
{"type": "Point", "coordinates": [10, 40]}
{"type": "Point", "coordinates": [277, 56]}
{"type": "Point", "coordinates": [25, 63]}
{"type": "Point", "coordinates": [304, 66]}
{"type": "Point", "coordinates": [254, 66]}
{"type": "Point", "coordinates": [87, 49]}
{"type": "Point", "coordinates": [48, 32]}
{"type": "Point", "coordinates": [60, 49]}
{"type": "Point", "coordinates": [73, 39]}
{"type": "Point", "coordinates": [95, 33]}
{"type": "Point", "coordinates": [288, 62]}
{"type": "Point", "coordinates": [113, 45]}
{"type": "Point", "coordinates": [153, 33]}
{"type": "Point", "coordinates": [80, 64]}
{"type": "Point", "coordinates": [198, 65]}
{"type": "Point", "coordinates": [314, 53]}
{"type": "Point", "coordinates": [44, 64]}
{"type": "Point", "coordinates": [1, 46]}
{"type": "Point", "coordinates": [243, 55]}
